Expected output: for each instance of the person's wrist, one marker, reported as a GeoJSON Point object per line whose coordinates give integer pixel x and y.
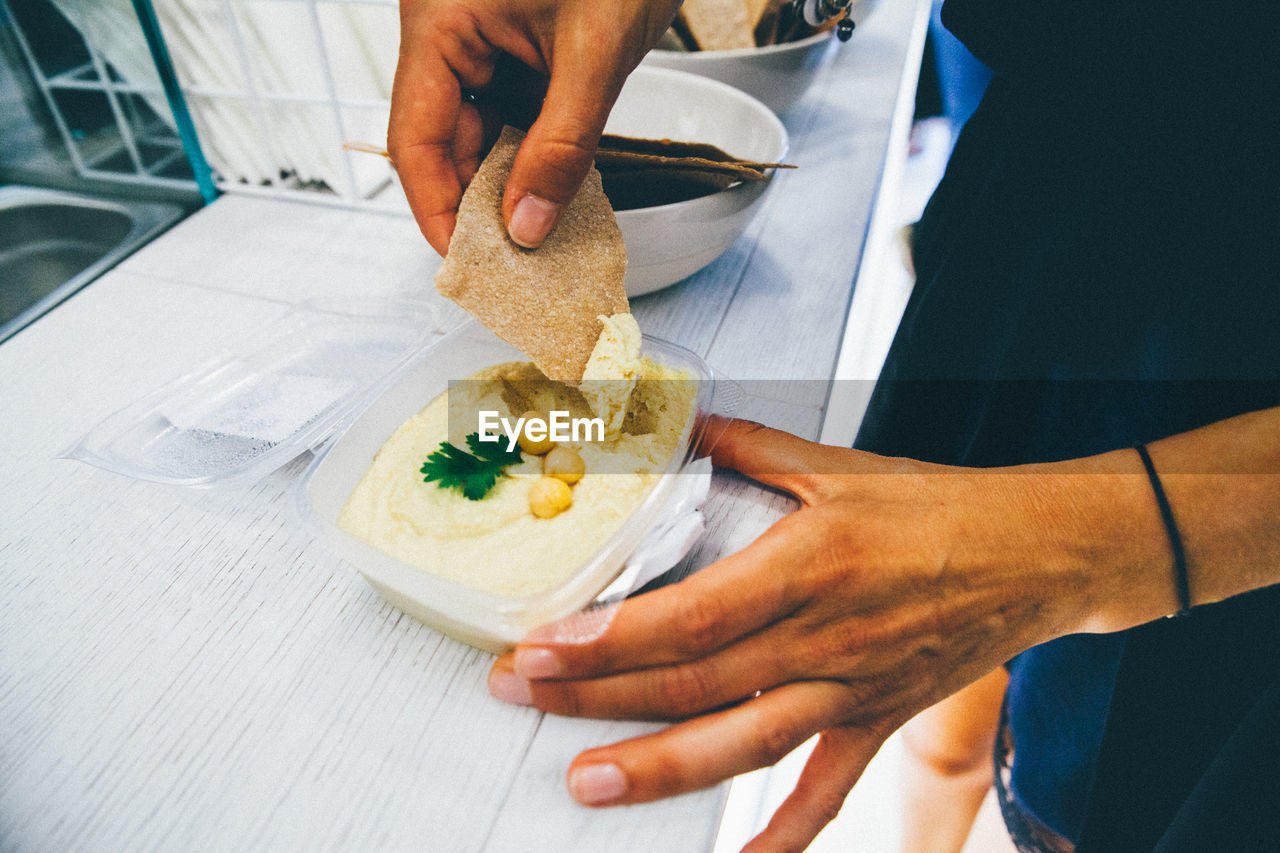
{"type": "Point", "coordinates": [1103, 545]}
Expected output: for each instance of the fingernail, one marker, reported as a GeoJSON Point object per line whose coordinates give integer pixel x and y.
{"type": "Point", "coordinates": [532, 221]}
{"type": "Point", "coordinates": [597, 784]}
{"type": "Point", "coordinates": [538, 663]}
{"type": "Point", "coordinates": [510, 688]}
{"type": "Point", "coordinates": [582, 627]}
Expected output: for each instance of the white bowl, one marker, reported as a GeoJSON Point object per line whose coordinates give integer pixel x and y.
{"type": "Point", "coordinates": [778, 74]}
{"type": "Point", "coordinates": [671, 242]}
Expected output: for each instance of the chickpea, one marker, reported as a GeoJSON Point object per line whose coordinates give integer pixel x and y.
{"type": "Point", "coordinates": [564, 464]}
{"type": "Point", "coordinates": [539, 442]}
{"type": "Point", "coordinates": [549, 497]}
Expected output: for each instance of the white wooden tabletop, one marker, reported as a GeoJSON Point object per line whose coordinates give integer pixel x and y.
{"type": "Point", "coordinates": [190, 670]}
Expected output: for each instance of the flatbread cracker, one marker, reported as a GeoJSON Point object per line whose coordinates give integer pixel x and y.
{"type": "Point", "coordinates": [615, 146]}
{"type": "Point", "coordinates": [647, 172]}
{"type": "Point", "coordinates": [546, 302]}
{"type": "Point", "coordinates": [629, 189]}
{"type": "Point", "coordinates": [766, 30]}
{"type": "Point", "coordinates": [665, 147]}
{"type": "Point", "coordinates": [730, 24]}
{"type": "Point", "coordinates": [719, 24]}
{"type": "Point", "coordinates": [757, 10]}
{"type": "Point", "coordinates": [631, 159]}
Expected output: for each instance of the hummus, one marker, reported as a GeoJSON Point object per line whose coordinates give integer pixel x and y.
{"type": "Point", "coordinates": [496, 544]}
{"type": "Point", "coordinates": [612, 370]}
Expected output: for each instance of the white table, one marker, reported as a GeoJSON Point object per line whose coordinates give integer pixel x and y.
{"type": "Point", "coordinates": [186, 670]}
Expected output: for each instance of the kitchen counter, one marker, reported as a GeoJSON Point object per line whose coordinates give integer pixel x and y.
{"type": "Point", "coordinates": [191, 670]}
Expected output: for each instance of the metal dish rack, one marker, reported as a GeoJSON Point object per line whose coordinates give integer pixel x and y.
{"type": "Point", "coordinates": [276, 86]}
{"type": "Point", "coordinates": [137, 146]}
{"type": "Point", "coordinates": [269, 89]}
{"type": "Point", "coordinates": [261, 93]}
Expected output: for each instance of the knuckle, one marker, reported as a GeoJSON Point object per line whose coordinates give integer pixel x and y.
{"type": "Point", "coordinates": [827, 804]}
{"type": "Point", "coordinates": [773, 741]}
{"type": "Point", "coordinates": [441, 23]}
{"type": "Point", "coordinates": [703, 626]}
{"type": "Point", "coordinates": [403, 146]}
{"type": "Point", "coordinates": [846, 641]}
{"type": "Point", "coordinates": [872, 700]}
{"type": "Point", "coordinates": [837, 650]}
{"type": "Point", "coordinates": [566, 155]}
{"type": "Point", "coordinates": [686, 690]}
{"type": "Point", "coordinates": [669, 772]}
{"type": "Point", "coordinates": [740, 432]}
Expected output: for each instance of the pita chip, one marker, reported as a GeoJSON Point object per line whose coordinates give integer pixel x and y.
{"type": "Point", "coordinates": [546, 302]}
{"type": "Point", "coordinates": [720, 24]}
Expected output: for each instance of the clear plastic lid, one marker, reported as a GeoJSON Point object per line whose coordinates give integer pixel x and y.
{"type": "Point", "coordinates": [282, 391]}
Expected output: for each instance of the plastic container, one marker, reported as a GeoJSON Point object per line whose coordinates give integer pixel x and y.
{"type": "Point", "coordinates": [280, 392]}
{"type": "Point", "coordinates": [490, 622]}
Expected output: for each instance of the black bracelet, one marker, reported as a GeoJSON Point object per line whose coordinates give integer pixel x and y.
{"type": "Point", "coordinates": [1175, 540]}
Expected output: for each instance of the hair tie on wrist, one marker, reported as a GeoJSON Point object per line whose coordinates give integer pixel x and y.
{"type": "Point", "coordinates": [1175, 540]}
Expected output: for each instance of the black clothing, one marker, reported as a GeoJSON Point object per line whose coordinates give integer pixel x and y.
{"type": "Point", "coordinates": [1099, 267]}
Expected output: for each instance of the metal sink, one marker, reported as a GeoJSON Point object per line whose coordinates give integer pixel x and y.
{"type": "Point", "coordinates": [54, 243]}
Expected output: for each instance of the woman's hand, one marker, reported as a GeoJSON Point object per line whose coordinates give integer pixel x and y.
{"type": "Point", "coordinates": [893, 585]}
{"type": "Point", "coordinates": [458, 57]}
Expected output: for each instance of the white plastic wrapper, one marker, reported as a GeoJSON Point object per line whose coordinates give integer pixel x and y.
{"type": "Point", "coordinates": [671, 538]}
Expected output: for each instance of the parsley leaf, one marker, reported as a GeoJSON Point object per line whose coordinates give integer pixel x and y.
{"type": "Point", "coordinates": [494, 451]}
{"type": "Point", "coordinates": [452, 468]}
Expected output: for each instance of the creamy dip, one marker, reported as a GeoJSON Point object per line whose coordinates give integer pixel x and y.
{"type": "Point", "coordinates": [612, 370]}
{"type": "Point", "coordinates": [496, 544]}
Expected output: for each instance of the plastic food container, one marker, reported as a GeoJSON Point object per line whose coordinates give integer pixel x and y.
{"type": "Point", "coordinates": [485, 620]}
{"type": "Point", "coordinates": [284, 390]}
{"type": "Point", "coordinates": [336, 379]}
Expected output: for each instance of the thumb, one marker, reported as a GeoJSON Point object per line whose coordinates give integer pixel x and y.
{"type": "Point", "coordinates": [561, 145]}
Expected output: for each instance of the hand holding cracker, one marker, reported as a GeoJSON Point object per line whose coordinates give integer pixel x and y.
{"type": "Point", "coordinates": [547, 303]}
{"type": "Point", "coordinates": [449, 49]}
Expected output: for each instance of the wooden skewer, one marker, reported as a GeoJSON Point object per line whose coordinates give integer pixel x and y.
{"type": "Point", "coordinates": [366, 147]}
